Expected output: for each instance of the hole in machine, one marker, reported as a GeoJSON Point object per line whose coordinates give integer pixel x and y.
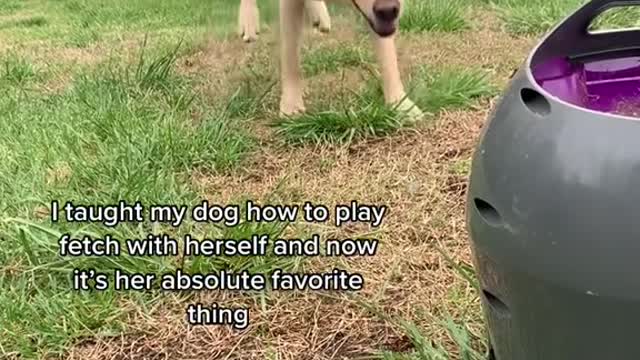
{"type": "Point", "coordinates": [535, 102]}
{"type": "Point", "coordinates": [498, 306]}
{"type": "Point", "coordinates": [488, 212]}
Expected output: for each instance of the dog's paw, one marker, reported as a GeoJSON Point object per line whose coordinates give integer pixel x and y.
{"type": "Point", "coordinates": [249, 30]}
{"type": "Point", "coordinates": [322, 27]}
{"type": "Point", "coordinates": [291, 107]}
{"type": "Point", "coordinates": [248, 21]}
{"type": "Point", "coordinates": [319, 15]}
{"type": "Point", "coordinates": [409, 110]}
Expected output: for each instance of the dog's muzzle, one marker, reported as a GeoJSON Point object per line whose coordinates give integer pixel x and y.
{"type": "Point", "coordinates": [386, 14]}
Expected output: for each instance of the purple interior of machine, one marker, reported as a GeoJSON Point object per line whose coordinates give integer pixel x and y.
{"type": "Point", "coordinates": [611, 85]}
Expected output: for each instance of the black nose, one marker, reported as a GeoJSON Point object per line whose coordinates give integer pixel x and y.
{"type": "Point", "coordinates": [386, 12]}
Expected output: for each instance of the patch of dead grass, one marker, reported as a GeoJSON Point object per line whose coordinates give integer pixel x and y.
{"type": "Point", "coordinates": [410, 172]}
{"type": "Point", "coordinates": [293, 327]}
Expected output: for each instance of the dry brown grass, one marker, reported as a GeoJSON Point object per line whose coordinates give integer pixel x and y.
{"type": "Point", "coordinates": [411, 172]}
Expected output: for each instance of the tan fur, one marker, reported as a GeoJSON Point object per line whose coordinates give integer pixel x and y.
{"type": "Point", "coordinates": [291, 26]}
{"type": "Point", "coordinates": [249, 18]}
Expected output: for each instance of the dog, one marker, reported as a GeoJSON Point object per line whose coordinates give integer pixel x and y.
{"type": "Point", "coordinates": [382, 17]}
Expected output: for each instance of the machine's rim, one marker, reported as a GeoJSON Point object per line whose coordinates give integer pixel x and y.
{"type": "Point", "coordinates": [556, 100]}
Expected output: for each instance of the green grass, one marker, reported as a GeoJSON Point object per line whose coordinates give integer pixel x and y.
{"type": "Point", "coordinates": [326, 59]}
{"type": "Point", "coordinates": [81, 23]}
{"type": "Point", "coordinates": [617, 18]}
{"type": "Point", "coordinates": [367, 116]}
{"type": "Point", "coordinates": [16, 71]}
{"type": "Point", "coordinates": [434, 15]}
{"type": "Point", "coordinates": [10, 6]}
{"type": "Point", "coordinates": [251, 97]}
{"type": "Point", "coordinates": [535, 16]}
{"type": "Point", "coordinates": [343, 118]}
{"type": "Point", "coordinates": [461, 167]}
{"type": "Point", "coordinates": [33, 21]}
{"type": "Point", "coordinates": [452, 88]}
{"type": "Point", "coordinates": [538, 16]}
{"type": "Point", "coordinates": [117, 133]}
{"type": "Point", "coordinates": [39, 320]}
{"type": "Point", "coordinates": [354, 121]}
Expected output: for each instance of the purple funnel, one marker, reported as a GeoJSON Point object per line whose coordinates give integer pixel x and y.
{"type": "Point", "coordinates": [611, 85]}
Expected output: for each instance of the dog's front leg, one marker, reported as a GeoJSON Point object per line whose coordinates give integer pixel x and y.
{"type": "Point", "coordinates": [291, 23]}
{"type": "Point", "coordinates": [319, 14]}
{"type": "Point", "coordinates": [394, 93]}
{"type": "Point", "coordinates": [248, 20]}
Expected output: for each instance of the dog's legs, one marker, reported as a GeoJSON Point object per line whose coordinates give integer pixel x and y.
{"type": "Point", "coordinates": [248, 20]}
{"type": "Point", "coordinates": [394, 93]}
{"type": "Point", "coordinates": [319, 14]}
{"type": "Point", "coordinates": [291, 26]}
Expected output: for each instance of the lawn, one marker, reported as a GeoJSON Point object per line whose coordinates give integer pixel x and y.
{"type": "Point", "coordinates": [161, 102]}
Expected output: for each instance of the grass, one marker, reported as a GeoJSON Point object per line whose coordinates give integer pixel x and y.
{"type": "Point", "coordinates": [450, 88]}
{"type": "Point", "coordinates": [364, 117]}
{"type": "Point", "coordinates": [464, 343]}
{"type": "Point", "coordinates": [248, 99]}
{"type": "Point", "coordinates": [434, 15]}
{"type": "Point", "coordinates": [83, 22]}
{"type": "Point", "coordinates": [11, 6]}
{"type": "Point", "coordinates": [331, 59]}
{"type": "Point", "coordinates": [116, 133]}
{"type": "Point", "coordinates": [617, 18]}
{"type": "Point", "coordinates": [534, 17]}
{"type": "Point", "coordinates": [539, 16]}
{"type": "Point", "coordinates": [29, 22]}
{"type": "Point", "coordinates": [362, 121]}
{"type": "Point", "coordinates": [16, 71]}
{"type": "Point", "coordinates": [367, 116]}
{"type": "Point", "coordinates": [32, 317]}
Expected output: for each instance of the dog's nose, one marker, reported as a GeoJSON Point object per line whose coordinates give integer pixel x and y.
{"type": "Point", "coordinates": [386, 12]}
